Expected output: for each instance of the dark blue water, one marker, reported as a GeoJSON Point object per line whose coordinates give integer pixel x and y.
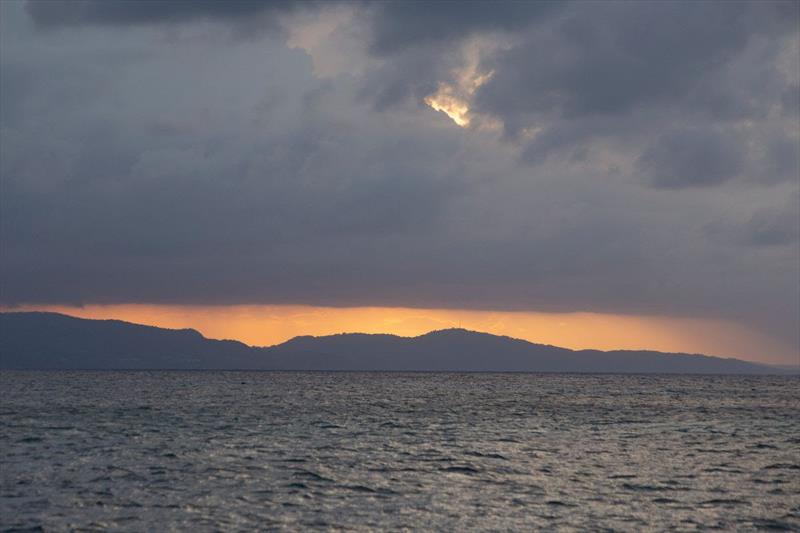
{"type": "Point", "coordinates": [154, 451]}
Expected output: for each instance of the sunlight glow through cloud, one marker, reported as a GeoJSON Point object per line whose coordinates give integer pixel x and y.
{"type": "Point", "coordinates": [446, 101]}
{"type": "Point", "coordinates": [453, 99]}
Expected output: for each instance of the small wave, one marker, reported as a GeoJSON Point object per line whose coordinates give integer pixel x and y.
{"type": "Point", "coordinates": [664, 500]}
{"type": "Point", "coordinates": [487, 455]}
{"type": "Point", "coordinates": [644, 488]}
{"type": "Point", "coordinates": [782, 466]}
{"type": "Point", "coordinates": [724, 501]}
{"type": "Point", "coordinates": [772, 525]}
{"type": "Point", "coordinates": [715, 469]}
{"type": "Point", "coordinates": [369, 490]}
{"type": "Point", "coordinates": [460, 469]}
{"type": "Point", "coordinates": [307, 474]}
{"type": "Point", "coordinates": [559, 503]}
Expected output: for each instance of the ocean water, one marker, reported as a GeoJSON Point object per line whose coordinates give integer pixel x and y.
{"type": "Point", "coordinates": [155, 451]}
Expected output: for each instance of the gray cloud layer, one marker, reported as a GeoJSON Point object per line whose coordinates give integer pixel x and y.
{"type": "Point", "coordinates": [646, 160]}
{"type": "Point", "coordinates": [57, 13]}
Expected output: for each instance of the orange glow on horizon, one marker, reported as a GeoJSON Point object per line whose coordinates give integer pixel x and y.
{"type": "Point", "coordinates": [263, 325]}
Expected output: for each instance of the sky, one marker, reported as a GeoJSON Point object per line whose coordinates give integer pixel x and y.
{"type": "Point", "coordinates": [586, 174]}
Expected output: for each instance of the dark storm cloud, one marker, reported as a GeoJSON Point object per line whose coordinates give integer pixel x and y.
{"type": "Point", "coordinates": [57, 13]}
{"type": "Point", "coordinates": [776, 227]}
{"type": "Point", "coordinates": [653, 78]}
{"type": "Point", "coordinates": [407, 24]}
{"type": "Point", "coordinates": [692, 157]}
{"type": "Point", "coordinates": [628, 71]}
{"type": "Point", "coordinates": [646, 160]}
{"type": "Point", "coordinates": [396, 24]}
{"type": "Point", "coordinates": [391, 83]}
{"type": "Point", "coordinates": [609, 58]}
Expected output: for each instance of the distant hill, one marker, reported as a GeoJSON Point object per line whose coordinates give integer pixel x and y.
{"type": "Point", "coordinates": [51, 340]}
{"type": "Point", "coordinates": [55, 341]}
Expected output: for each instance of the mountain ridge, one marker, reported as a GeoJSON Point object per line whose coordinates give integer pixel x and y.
{"type": "Point", "coordinates": [39, 340]}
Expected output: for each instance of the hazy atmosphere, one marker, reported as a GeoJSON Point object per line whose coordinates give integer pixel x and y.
{"type": "Point", "coordinates": [632, 162]}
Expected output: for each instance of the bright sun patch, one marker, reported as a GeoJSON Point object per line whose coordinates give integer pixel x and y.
{"type": "Point", "coordinates": [453, 99]}
{"type": "Point", "coordinates": [446, 101]}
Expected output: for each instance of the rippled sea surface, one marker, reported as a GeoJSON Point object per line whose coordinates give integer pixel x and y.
{"type": "Point", "coordinates": [154, 451]}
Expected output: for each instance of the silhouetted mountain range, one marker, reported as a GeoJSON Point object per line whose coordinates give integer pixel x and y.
{"type": "Point", "coordinates": [55, 341]}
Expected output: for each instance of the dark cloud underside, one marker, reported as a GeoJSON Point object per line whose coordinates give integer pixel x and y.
{"type": "Point", "coordinates": [56, 13]}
